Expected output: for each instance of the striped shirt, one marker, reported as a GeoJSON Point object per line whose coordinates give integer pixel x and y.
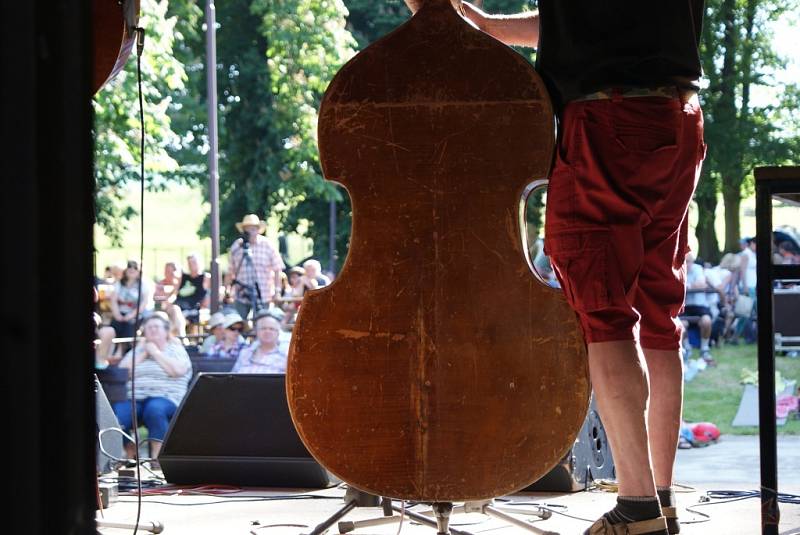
{"type": "Point", "coordinates": [266, 261]}
{"type": "Point", "coordinates": [250, 361]}
{"type": "Point", "coordinates": [153, 381]}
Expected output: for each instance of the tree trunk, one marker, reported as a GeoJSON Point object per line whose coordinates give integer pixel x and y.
{"type": "Point", "coordinates": [706, 198]}
{"type": "Point", "coordinates": [732, 198]}
{"type": "Point", "coordinates": [707, 235]}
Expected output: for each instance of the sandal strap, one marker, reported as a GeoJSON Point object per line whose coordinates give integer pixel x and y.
{"type": "Point", "coordinates": [646, 526]}
{"type": "Point", "coordinates": [603, 527]}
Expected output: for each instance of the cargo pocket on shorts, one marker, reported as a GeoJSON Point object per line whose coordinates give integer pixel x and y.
{"type": "Point", "coordinates": [580, 258]}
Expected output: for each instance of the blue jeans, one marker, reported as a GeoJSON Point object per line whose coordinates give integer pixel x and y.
{"type": "Point", "coordinates": [154, 412]}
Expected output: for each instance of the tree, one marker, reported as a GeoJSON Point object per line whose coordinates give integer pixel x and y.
{"type": "Point", "coordinates": [117, 130]}
{"type": "Point", "coordinates": [274, 61]}
{"type": "Point", "coordinates": [737, 57]}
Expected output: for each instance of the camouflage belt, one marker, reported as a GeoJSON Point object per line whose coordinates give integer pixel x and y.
{"type": "Point", "coordinates": [633, 92]}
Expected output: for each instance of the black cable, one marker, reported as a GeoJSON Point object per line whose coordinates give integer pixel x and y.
{"type": "Point", "coordinates": [134, 419]}
{"type": "Point", "coordinates": [736, 495]}
{"type": "Point", "coordinates": [243, 499]}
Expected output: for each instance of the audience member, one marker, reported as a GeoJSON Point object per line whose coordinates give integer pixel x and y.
{"type": "Point", "coordinates": [163, 370]}
{"type": "Point", "coordinates": [246, 283]}
{"type": "Point", "coordinates": [748, 266]}
{"type": "Point", "coordinates": [788, 253]}
{"type": "Point", "coordinates": [117, 271]}
{"type": "Point", "coordinates": [124, 299]}
{"type": "Point", "coordinates": [729, 292]}
{"type": "Point", "coordinates": [298, 284]}
{"type": "Point", "coordinates": [192, 294]}
{"type": "Point", "coordinates": [232, 341]}
{"type": "Point", "coordinates": [216, 325]}
{"type": "Point", "coordinates": [285, 337]}
{"type": "Point", "coordinates": [106, 353]}
{"type": "Point", "coordinates": [264, 355]}
{"type": "Point", "coordinates": [314, 273]}
{"type": "Point", "coordinates": [167, 287]}
{"type": "Point", "coordinates": [697, 305]}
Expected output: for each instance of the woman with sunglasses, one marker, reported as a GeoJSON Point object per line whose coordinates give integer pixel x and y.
{"type": "Point", "coordinates": [232, 341]}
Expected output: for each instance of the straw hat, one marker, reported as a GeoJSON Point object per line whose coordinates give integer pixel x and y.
{"type": "Point", "coordinates": [251, 220]}
{"type": "Point", "coordinates": [217, 318]}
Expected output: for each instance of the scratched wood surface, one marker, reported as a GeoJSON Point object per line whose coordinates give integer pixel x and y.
{"type": "Point", "coordinates": [436, 367]}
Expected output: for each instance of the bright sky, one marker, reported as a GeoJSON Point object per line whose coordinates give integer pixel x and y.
{"type": "Point", "coordinates": [787, 45]}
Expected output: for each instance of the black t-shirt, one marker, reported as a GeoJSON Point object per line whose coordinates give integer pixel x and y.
{"type": "Point", "coordinates": [589, 45]}
{"type": "Point", "coordinates": [191, 291]}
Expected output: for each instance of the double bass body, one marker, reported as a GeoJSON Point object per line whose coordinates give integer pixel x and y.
{"type": "Point", "coordinates": [436, 367]}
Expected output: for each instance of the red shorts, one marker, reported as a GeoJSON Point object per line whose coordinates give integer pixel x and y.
{"type": "Point", "coordinates": [616, 224]}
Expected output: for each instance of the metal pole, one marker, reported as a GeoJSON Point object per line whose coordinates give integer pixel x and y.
{"type": "Point", "coordinates": [213, 187]}
{"type": "Point", "coordinates": [767, 432]}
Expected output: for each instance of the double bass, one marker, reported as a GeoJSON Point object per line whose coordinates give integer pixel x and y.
{"type": "Point", "coordinates": [437, 367]}
{"type": "Point", "coordinates": [113, 38]}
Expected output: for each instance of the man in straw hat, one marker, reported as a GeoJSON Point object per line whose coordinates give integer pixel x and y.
{"type": "Point", "coordinates": [247, 280]}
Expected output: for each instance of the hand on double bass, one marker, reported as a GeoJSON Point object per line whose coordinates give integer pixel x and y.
{"type": "Point", "coordinates": [520, 29]}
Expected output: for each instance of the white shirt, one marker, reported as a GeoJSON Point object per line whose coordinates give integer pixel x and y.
{"type": "Point", "coordinates": [715, 277]}
{"type": "Point", "coordinates": [693, 274]}
{"type": "Point", "coordinates": [750, 271]}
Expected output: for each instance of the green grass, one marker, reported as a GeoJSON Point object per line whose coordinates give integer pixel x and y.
{"type": "Point", "coordinates": [714, 394]}
{"type": "Point", "coordinates": [172, 219]}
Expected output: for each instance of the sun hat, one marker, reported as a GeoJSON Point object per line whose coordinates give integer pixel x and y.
{"type": "Point", "coordinates": [274, 313]}
{"type": "Point", "coordinates": [216, 319]}
{"type": "Point", "coordinates": [231, 320]}
{"type": "Point", "coordinates": [251, 220]}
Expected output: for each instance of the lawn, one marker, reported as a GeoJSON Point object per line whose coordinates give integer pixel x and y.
{"type": "Point", "coordinates": [714, 394]}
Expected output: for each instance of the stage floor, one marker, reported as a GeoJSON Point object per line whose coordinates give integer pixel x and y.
{"type": "Point", "coordinates": [730, 465]}
{"type": "Point", "coordinates": [295, 516]}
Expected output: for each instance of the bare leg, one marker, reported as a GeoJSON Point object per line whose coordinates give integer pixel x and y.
{"type": "Point", "coordinates": [102, 354]}
{"type": "Point", "coordinates": [705, 327]}
{"type": "Point", "coordinates": [155, 448]}
{"type": "Point", "coordinates": [619, 378]}
{"type": "Point", "coordinates": [664, 416]}
{"type": "Point", "coordinates": [176, 318]}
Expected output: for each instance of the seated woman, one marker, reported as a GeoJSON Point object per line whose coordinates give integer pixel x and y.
{"type": "Point", "coordinates": [192, 294]}
{"type": "Point", "coordinates": [232, 342]}
{"type": "Point", "coordinates": [264, 355]}
{"type": "Point", "coordinates": [163, 371]}
{"type": "Point", "coordinates": [167, 288]}
{"type": "Point", "coordinates": [125, 298]}
{"type": "Point", "coordinates": [216, 329]}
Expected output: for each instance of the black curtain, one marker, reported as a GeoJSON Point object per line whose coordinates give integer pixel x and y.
{"type": "Point", "coordinates": [46, 212]}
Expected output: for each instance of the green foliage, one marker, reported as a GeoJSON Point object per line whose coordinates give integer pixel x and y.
{"type": "Point", "coordinates": [738, 59]}
{"type": "Point", "coordinates": [117, 129]}
{"type": "Point", "coordinates": [274, 61]}
{"type": "Point", "coordinates": [368, 20]}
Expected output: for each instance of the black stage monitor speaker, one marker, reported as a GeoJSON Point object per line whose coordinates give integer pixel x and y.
{"type": "Point", "coordinates": [235, 429]}
{"type": "Point", "coordinates": [588, 460]}
{"type": "Point", "coordinates": [202, 364]}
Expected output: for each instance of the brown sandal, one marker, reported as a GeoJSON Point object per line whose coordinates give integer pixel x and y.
{"type": "Point", "coordinates": [603, 527]}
